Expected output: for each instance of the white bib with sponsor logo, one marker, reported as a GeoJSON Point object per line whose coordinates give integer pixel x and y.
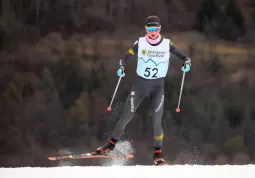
{"type": "Point", "coordinates": [153, 60]}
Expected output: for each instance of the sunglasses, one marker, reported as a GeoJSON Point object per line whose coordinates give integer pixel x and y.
{"type": "Point", "coordinates": [152, 29]}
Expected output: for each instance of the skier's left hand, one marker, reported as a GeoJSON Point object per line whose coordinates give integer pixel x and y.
{"type": "Point", "coordinates": [186, 66]}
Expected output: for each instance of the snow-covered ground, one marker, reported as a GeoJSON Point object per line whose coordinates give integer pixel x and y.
{"type": "Point", "coordinates": [177, 171]}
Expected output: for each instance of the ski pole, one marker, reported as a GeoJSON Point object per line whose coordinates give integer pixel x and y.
{"type": "Point", "coordinates": [178, 107]}
{"type": "Point", "coordinates": [109, 108]}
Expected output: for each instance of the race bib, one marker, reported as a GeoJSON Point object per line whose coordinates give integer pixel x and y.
{"type": "Point", "coordinates": [153, 61]}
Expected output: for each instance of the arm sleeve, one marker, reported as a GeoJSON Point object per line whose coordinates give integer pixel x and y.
{"type": "Point", "coordinates": [132, 52]}
{"type": "Point", "coordinates": [177, 53]}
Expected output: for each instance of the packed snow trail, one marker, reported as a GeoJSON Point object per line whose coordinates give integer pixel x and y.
{"type": "Point", "coordinates": [177, 171]}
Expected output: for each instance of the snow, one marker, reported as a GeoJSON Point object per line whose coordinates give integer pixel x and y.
{"type": "Point", "coordinates": [175, 171]}
{"type": "Point", "coordinates": [120, 168]}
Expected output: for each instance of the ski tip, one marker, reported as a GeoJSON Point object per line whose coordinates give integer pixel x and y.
{"type": "Point", "coordinates": [52, 158]}
{"type": "Point", "coordinates": [129, 156]}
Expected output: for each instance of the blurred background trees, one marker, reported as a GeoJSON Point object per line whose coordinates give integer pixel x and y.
{"type": "Point", "coordinates": [31, 19]}
{"type": "Point", "coordinates": [57, 76]}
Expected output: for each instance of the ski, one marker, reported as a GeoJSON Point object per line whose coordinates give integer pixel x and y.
{"type": "Point", "coordinates": [89, 156]}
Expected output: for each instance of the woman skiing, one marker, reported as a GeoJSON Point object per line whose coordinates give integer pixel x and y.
{"type": "Point", "coordinates": [152, 53]}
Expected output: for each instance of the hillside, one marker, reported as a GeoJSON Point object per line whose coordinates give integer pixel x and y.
{"type": "Point", "coordinates": [30, 20]}
{"type": "Point", "coordinates": [55, 92]}
{"type": "Point", "coordinates": [58, 63]}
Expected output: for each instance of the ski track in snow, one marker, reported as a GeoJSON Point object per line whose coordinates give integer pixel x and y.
{"type": "Point", "coordinates": [176, 171]}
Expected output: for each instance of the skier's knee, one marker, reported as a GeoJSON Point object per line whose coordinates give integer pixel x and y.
{"type": "Point", "coordinates": [124, 121]}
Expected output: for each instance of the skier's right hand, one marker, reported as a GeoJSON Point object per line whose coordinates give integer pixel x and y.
{"type": "Point", "coordinates": [121, 71]}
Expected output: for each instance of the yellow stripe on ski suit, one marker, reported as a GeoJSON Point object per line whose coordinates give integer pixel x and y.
{"type": "Point", "coordinates": [131, 51]}
{"type": "Point", "coordinates": [160, 137]}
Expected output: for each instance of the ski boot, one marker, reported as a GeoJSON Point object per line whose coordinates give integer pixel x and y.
{"type": "Point", "coordinates": [158, 157]}
{"type": "Point", "coordinates": [105, 149]}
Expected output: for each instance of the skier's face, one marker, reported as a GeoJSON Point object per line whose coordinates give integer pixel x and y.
{"type": "Point", "coordinates": [153, 32]}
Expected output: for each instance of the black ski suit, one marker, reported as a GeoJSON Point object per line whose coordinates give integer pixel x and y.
{"type": "Point", "coordinates": [142, 88]}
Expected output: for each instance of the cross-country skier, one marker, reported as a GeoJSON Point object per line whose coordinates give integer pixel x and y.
{"type": "Point", "coordinates": [152, 53]}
